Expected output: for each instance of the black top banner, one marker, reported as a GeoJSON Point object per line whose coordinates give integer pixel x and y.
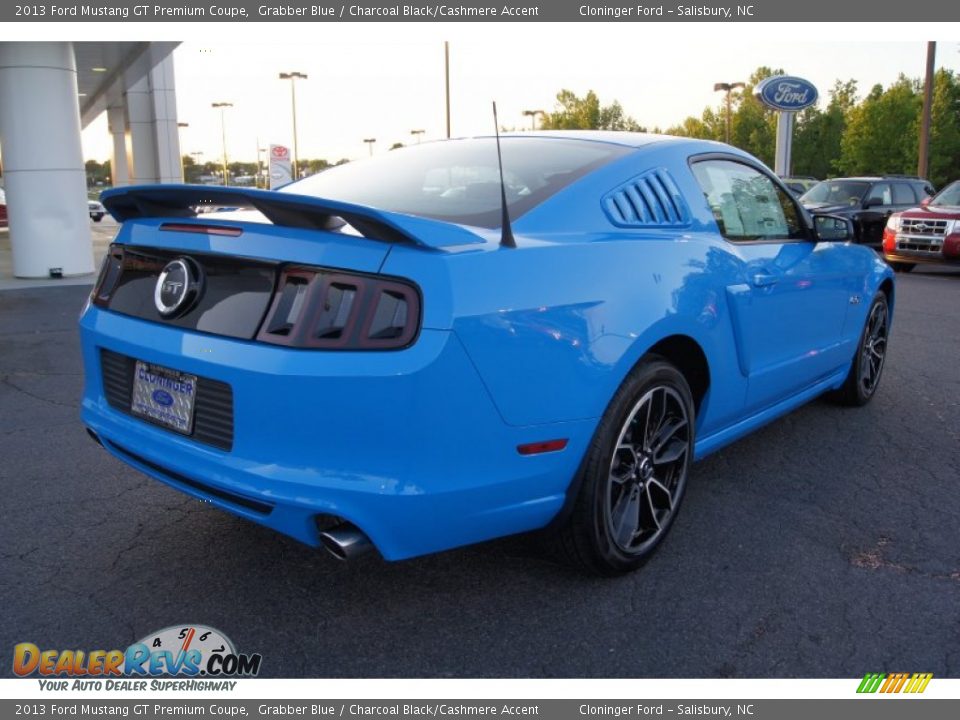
{"type": "Point", "coordinates": [511, 11]}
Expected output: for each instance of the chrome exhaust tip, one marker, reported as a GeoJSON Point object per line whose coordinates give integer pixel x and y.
{"type": "Point", "coordinates": [346, 542]}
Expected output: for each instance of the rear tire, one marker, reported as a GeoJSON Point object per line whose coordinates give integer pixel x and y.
{"type": "Point", "coordinates": [902, 267]}
{"type": "Point", "coordinates": [634, 474]}
{"type": "Point", "coordinates": [867, 366]}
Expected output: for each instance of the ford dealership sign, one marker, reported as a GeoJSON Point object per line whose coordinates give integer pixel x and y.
{"type": "Point", "coordinates": [786, 93]}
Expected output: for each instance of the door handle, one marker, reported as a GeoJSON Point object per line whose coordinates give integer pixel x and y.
{"type": "Point", "coordinates": [761, 279]}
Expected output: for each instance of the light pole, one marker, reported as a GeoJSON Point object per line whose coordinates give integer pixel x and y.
{"type": "Point", "coordinates": [183, 176]}
{"type": "Point", "coordinates": [293, 76]}
{"type": "Point", "coordinates": [417, 134]}
{"type": "Point", "coordinates": [196, 155]}
{"type": "Point", "coordinates": [370, 142]}
{"type": "Point", "coordinates": [446, 80]}
{"type": "Point", "coordinates": [260, 150]}
{"type": "Point", "coordinates": [532, 114]}
{"type": "Point", "coordinates": [222, 106]}
{"type": "Point", "coordinates": [728, 88]}
{"type": "Point", "coordinates": [923, 163]}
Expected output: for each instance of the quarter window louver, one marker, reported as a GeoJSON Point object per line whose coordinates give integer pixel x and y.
{"type": "Point", "coordinates": [650, 200]}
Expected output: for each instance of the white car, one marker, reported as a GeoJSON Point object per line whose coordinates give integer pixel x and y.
{"type": "Point", "coordinates": [96, 209]}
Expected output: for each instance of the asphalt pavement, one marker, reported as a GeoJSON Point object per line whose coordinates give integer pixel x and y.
{"type": "Point", "coordinates": [825, 545]}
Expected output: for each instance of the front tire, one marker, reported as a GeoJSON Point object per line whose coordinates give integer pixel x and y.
{"type": "Point", "coordinates": [902, 267]}
{"type": "Point", "coordinates": [634, 474]}
{"type": "Point", "coordinates": [867, 367]}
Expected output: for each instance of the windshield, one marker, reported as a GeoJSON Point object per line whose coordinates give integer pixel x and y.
{"type": "Point", "coordinates": [836, 192]}
{"type": "Point", "coordinates": [459, 180]}
{"type": "Point", "coordinates": [948, 197]}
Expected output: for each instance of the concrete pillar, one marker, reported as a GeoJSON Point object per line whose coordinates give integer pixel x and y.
{"type": "Point", "coordinates": [119, 166]}
{"type": "Point", "coordinates": [142, 157]}
{"type": "Point", "coordinates": [44, 174]}
{"type": "Point", "coordinates": [163, 89]}
{"type": "Point", "coordinates": [151, 108]}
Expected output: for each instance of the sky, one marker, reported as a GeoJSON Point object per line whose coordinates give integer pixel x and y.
{"type": "Point", "coordinates": [383, 89]}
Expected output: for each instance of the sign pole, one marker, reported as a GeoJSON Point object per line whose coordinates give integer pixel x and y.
{"type": "Point", "coordinates": [784, 154]}
{"type": "Point", "coordinates": [787, 95]}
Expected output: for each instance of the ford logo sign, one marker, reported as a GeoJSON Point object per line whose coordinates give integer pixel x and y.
{"type": "Point", "coordinates": [786, 93]}
{"type": "Point", "coordinates": [162, 397]}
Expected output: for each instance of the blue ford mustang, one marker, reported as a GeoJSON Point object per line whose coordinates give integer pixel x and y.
{"type": "Point", "coordinates": [371, 357]}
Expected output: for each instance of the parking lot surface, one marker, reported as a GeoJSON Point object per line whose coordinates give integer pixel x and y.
{"type": "Point", "coordinates": [825, 545]}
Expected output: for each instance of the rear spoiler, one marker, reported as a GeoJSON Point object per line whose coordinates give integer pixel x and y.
{"type": "Point", "coordinates": [284, 209]}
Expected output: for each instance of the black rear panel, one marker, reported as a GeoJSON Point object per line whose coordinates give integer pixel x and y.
{"type": "Point", "coordinates": [236, 291]}
{"type": "Point", "coordinates": [213, 406]}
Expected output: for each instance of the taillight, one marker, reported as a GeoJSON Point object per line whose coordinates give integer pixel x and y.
{"type": "Point", "coordinates": [332, 310]}
{"type": "Point", "coordinates": [110, 271]}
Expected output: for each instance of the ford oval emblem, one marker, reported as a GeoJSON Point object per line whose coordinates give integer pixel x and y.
{"type": "Point", "coordinates": [787, 93]}
{"type": "Point", "coordinates": [162, 397]}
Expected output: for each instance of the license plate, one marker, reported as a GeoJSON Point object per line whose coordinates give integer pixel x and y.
{"type": "Point", "coordinates": [164, 396]}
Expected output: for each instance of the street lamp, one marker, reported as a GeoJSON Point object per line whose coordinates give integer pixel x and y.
{"type": "Point", "coordinates": [532, 114]}
{"type": "Point", "coordinates": [293, 77]}
{"type": "Point", "coordinates": [260, 179]}
{"type": "Point", "coordinates": [370, 142]}
{"type": "Point", "coordinates": [417, 134]}
{"type": "Point", "coordinates": [222, 106]}
{"type": "Point", "coordinates": [727, 88]}
{"type": "Point", "coordinates": [183, 176]}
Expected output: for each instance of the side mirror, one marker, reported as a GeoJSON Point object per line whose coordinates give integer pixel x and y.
{"type": "Point", "coordinates": [832, 228]}
{"type": "Point", "coordinates": [925, 201]}
{"type": "Point", "coordinates": [872, 202]}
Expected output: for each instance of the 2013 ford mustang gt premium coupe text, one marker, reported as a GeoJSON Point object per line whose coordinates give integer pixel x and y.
{"type": "Point", "coordinates": [380, 356]}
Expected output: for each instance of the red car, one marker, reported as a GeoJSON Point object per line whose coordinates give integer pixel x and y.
{"type": "Point", "coordinates": [927, 234]}
{"type": "Point", "coordinates": [3, 209]}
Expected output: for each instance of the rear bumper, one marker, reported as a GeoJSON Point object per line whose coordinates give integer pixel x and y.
{"type": "Point", "coordinates": [406, 445]}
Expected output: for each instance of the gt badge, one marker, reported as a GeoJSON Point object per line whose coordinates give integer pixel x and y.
{"type": "Point", "coordinates": [178, 287]}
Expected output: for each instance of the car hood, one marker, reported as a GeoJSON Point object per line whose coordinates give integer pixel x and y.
{"type": "Point", "coordinates": [933, 213]}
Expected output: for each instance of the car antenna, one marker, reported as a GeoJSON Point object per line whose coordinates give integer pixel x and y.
{"type": "Point", "coordinates": [506, 233]}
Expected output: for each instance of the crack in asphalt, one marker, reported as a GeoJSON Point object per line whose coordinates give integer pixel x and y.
{"type": "Point", "coordinates": [5, 380]}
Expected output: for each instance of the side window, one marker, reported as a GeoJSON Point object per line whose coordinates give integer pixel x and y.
{"type": "Point", "coordinates": [746, 203]}
{"type": "Point", "coordinates": [903, 194]}
{"type": "Point", "coordinates": [880, 194]}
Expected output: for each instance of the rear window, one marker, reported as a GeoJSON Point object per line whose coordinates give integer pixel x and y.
{"type": "Point", "coordinates": [458, 180]}
{"type": "Point", "coordinates": [836, 192]}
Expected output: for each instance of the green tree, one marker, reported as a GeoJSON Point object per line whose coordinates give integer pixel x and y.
{"type": "Point", "coordinates": [945, 129]}
{"type": "Point", "coordinates": [312, 167]}
{"type": "Point", "coordinates": [586, 113]}
{"type": "Point", "coordinates": [882, 131]}
{"type": "Point", "coordinates": [818, 134]}
{"type": "Point", "coordinates": [191, 171]}
{"type": "Point", "coordinates": [754, 125]}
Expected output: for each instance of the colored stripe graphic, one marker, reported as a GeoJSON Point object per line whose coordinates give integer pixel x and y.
{"type": "Point", "coordinates": [870, 683]}
{"type": "Point", "coordinates": [894, 683]}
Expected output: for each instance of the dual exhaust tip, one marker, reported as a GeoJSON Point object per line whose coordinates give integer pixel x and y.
{"type": "Point", "coordinates": [345, 541]}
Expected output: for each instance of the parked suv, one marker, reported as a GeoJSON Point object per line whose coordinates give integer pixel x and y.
{"type": "Point", "coordinates": [867, 201]}
{"type": "Point", "coordinates": [926, 234]}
